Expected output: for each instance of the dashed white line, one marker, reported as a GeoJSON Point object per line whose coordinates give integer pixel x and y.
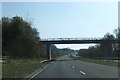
{"type": "Point", "coordinates": [82, 72]}
{"type": "Point", "coordinates": [73, 66]}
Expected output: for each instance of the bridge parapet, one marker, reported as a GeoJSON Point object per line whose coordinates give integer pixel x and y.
{"type": "Point", "coordinates": [62, 39]}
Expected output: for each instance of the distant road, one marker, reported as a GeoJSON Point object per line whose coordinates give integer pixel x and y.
{"type": "Point", "coordinates": [65, 67]}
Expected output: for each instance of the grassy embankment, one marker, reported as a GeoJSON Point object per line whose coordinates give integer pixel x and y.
{"type": "Point", "coordinates": [20, 68]}
{"type": "Point", "coordinates": [103, 62]}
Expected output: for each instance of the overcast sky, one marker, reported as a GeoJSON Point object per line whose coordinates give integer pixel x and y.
{"type": "Point", "coordinates": [67, 19]}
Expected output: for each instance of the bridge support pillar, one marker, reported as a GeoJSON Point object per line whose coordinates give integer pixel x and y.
{"type": "Point", "coordinates": [106, 49]}
{"type": "Point", "coordinates": [49, 51]}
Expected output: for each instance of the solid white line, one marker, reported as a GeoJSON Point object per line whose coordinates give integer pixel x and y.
{"type": "Point", "coordinates": [82, 72]}
{"type": "Point", "coordinates": [40, 71]}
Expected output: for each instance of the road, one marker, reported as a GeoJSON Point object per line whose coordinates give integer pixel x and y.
{"type": "Point", "coordinates": [65, 67]}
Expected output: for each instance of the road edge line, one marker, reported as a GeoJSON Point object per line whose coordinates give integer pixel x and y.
{"type": "Point", "coordinates": [38, 72]}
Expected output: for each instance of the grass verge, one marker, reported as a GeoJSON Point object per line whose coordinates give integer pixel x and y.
{"type": "Point", "coordinates": [20, 68]}
{"type": "Point", "coordinates": [109, 63]}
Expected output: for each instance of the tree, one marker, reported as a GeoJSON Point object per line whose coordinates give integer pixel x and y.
{"type": "Point", "coordinates": [118, 45]}
{"type": "Point", "coordinates": [108, 36]}
{"type": "Point", "coordinates": [20, 39]}
{"type": "Point", "coordinates": [105, 49]}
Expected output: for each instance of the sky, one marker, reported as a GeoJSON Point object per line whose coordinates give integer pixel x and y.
{"type": "Point", "coordinates": [67, 19]}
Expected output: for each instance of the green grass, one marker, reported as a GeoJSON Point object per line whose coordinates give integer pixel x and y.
{"type": "Point", "coordinates": [109, 63]}
{"type": "Point", "coordinates": [20, 68]}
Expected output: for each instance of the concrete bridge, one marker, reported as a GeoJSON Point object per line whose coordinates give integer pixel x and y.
{"type": "Point", "coordinates": [106, 45]}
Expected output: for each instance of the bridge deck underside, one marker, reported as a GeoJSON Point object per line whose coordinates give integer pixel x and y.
{"type": "Point", "coordinates": [75, 41]}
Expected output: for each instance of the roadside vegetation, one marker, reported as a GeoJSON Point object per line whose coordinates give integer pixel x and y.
{"type": "Point", "coordinates": [100, 53]}
{"type": "Point", "coordinates": [21, 44]}
{"type": "Point", "coordinates": [20, 39]}
{"type": "Point", "coordinates": [22, 48]}
{"type": "Point", "coordinates": [105, 53]}
{"type": "Point", "coordinates": [20, 68]}
{"type": "Point", "coordinates": [105, 49]}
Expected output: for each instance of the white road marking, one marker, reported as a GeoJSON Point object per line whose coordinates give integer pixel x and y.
{"type": "Point", "coordinates": [73, 66]}
{"type": "Point", "coordinates": [39, 71]}
{"type": "Point", "coordinates": [69, 64]}
{"type": "Point", "coordinates": [82, 72]}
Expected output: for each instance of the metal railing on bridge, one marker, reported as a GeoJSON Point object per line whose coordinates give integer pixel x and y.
{"type": "Point", "coordinates": [56, 39]}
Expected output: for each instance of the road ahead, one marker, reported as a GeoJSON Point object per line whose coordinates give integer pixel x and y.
{"type": "Point", "coordinates": [65, 67]}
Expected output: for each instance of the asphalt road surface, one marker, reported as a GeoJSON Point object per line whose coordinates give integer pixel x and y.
{"type": "Point", "coordinates": [65, 67]}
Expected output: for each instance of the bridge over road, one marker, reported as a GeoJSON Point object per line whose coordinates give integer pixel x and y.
{"type": "Point", "coordinates": [103, 42]}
